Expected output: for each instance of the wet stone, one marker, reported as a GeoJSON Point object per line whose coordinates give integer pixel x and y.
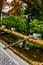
{"type": "Point", "coordinates": [6, 59]}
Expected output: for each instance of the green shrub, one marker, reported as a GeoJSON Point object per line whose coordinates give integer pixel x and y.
{"type": "Point", "coordinates": [36, 26]}
{"type": "Point", "coordinates": [17, 22]}
{"type": "Point", "coordinates": [31, 31]}
{"type": "Point", "coordinates": [32, 45]}
{"type": "Point", "coordinates": [0, 22]}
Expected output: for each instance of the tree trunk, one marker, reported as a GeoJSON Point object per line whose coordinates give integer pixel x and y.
{"type": "Point", "coordinates": [1, 1]}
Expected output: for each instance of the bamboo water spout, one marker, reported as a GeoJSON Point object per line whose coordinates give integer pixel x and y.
{"type": "Point", "coordinates": [39, 42]}
{"type": "Point", "coordinates": [14, 44]}
{"type": "Point", "coordinates": [21, 55]}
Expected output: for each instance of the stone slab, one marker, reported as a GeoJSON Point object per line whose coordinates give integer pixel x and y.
{"type": "Point", "coordinates": [6, 59]}
{"type": "Point", "coordinates": [14, 56]}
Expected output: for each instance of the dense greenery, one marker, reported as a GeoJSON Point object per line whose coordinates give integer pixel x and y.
{"type": "Point", "coordinates": [35, 26]}
{"type": "Point", "coordinates": [0, 22]}
{"type": "Point", "coordinates": [36, 4]}
{"type": "Point", "coordinates": [32, 45]}
{"type": "Point", "coordinates": [34, 10]}
{"type": "Point", "coordinates": [15, 21]}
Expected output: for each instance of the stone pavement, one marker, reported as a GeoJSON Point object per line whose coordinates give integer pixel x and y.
{"type": "Point", "coordinates": [7, 57]}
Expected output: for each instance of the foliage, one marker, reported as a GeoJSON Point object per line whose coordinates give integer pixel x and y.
{"type": "Point", "coordinates": [32, 45]}
{"type": "Point", "coordinates": [37, 14]}
{"type": "Point", "coordinates": [23, 9]}
{"type": "Point", "coordinates": [35, 26]}
{"type": "Point", "coordinates": [36, 7]}
{"type": "Point", "coordinates": [17, 5]}
{"type": "Point", "coordinates": [22, 12]}
{"type": "Point", "coordinates": [17, 22]}
{"type": "Point", "coordinates": [36, 4]}
{"type": "Point", "coordinates": [0, 22]}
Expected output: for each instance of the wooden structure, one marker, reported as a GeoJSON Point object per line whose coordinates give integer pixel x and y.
{"type": "Point", "coordinates": [21, 55]}
{"type": "Point", "coordinates": [40, 42]}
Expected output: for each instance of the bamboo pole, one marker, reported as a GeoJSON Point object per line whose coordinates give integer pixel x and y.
{"type": "Point", "coordinates": [41, 63]}
{"type": "Point", "coordinates": [40, 42]}
{"type": "Point", "coordinates": [14, 43]}
{"type": "Point", "coordinates": [21, 55]}
{"type": "Point", "coordinates": [2, 33]}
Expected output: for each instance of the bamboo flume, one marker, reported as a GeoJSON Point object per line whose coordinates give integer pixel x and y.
{"type": "Point", "coordinates": [39, 42]}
